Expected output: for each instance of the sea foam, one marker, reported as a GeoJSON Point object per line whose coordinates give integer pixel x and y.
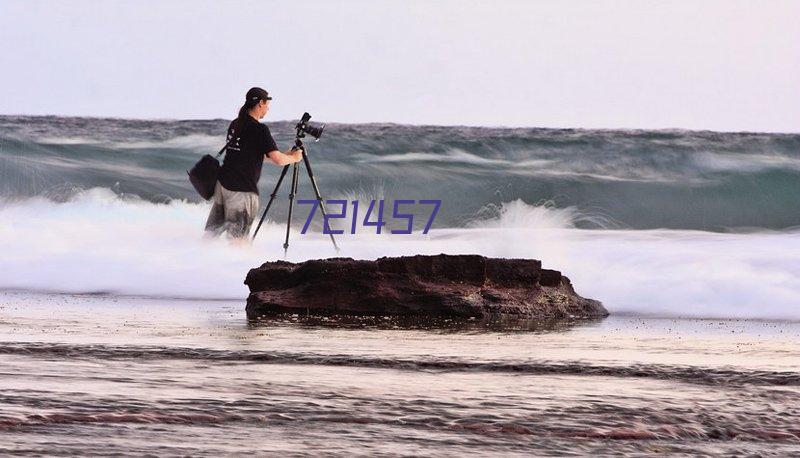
{"type": "Point", "coordinates": [98, 242]}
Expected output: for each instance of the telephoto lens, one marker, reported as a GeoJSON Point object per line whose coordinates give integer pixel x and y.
{"type": "Point", "coordinates": [315, 132]}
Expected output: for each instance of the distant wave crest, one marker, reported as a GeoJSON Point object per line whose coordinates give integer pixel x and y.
{"type": "Point", "coordinates": [637, 179]}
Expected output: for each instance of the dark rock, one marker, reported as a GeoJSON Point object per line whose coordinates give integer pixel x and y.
{"type": "Point", "coordinates": [442, 285]}
{"type": "Point", "coordinates": [550, 277]}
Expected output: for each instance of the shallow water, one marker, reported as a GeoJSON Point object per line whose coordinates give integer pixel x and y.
{"type": "Point", "coordinates": [110, 375]}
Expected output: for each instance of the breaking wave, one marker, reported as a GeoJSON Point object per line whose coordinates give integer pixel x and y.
{"type": "Point", "coordinates": [638, 179]}
{"type": "Point", "coordinates": [99, 242]}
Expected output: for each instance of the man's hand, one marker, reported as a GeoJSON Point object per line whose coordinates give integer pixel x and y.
{"type": "Point", "coordinates": [289, 157]}
{"type": "Point", "coordinates": [296, 154]}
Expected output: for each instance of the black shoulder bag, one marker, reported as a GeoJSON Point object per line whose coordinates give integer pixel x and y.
{"type": "Point", "coordinates": [203, 175]}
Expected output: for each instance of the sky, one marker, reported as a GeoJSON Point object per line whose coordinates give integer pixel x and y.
{"type": "Point", "coordinates": [723, 65]}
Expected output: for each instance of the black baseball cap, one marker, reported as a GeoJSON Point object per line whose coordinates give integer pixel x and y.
{"type": "Point", "coordinates": [256, 93]}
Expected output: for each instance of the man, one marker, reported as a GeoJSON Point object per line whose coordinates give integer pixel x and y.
{"type": "Point", "coordinates": [235, 201]}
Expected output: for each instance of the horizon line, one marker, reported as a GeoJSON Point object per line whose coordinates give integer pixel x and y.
{"type": "Point", "coordinates": [497, 126]}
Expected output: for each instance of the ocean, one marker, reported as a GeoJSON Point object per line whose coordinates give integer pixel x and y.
{"type": "Point", "coordinates": [122, 330]}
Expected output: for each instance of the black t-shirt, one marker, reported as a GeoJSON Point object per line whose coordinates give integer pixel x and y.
{"type": "Point", "coordinates": [241, 167]}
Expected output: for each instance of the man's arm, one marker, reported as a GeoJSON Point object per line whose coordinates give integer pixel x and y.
{"type": "Point", "coordinates": [289, 157]}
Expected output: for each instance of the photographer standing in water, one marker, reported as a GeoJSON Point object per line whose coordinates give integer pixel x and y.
{"type": "Point", "coordinates": [235, 200]}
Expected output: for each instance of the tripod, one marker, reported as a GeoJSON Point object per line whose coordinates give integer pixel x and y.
{"type": "Point", "coordinates": [298, 143]}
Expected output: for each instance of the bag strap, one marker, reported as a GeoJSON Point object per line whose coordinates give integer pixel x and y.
{"type": "Point", "coordinates": [227, 144]}
{"type": "Point", "coordinates": [224, 148]}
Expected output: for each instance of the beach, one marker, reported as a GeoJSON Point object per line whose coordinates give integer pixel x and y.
{"type": "Point", "coordinates": [125, 375]}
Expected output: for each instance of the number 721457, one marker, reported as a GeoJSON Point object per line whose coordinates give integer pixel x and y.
{"type": "Point", "coordinates": [374, 215]}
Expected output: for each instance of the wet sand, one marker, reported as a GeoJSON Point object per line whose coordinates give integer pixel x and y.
{"type": "Point", "coordinates": [124, 375]}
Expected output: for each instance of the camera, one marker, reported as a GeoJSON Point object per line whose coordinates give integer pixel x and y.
{"type": "Point", "coordinates": [303, 128]}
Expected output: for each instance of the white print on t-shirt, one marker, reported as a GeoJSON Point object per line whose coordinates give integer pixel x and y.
{"type": "Point", "coordinates": [233, 145]}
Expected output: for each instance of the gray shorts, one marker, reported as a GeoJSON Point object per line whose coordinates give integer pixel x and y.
{"type": "Point", "coordinates": [232, 211]}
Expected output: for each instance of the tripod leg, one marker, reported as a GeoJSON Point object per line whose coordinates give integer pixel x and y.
{"type": "Point", "coordinates": [316, 193]}
{"type": "Point", "coordinates": [292, 193]}
{"type": "Point", "coordinates": [271, 198]}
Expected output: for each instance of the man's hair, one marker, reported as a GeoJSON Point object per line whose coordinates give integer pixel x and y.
{"type": "Point", "coordinates": [254, 95]}
{"type": "Point", "coordinates": [245, 111]}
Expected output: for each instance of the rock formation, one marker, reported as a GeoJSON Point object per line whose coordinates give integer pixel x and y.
{"type": "Point", "coordinates": [442, 285]}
